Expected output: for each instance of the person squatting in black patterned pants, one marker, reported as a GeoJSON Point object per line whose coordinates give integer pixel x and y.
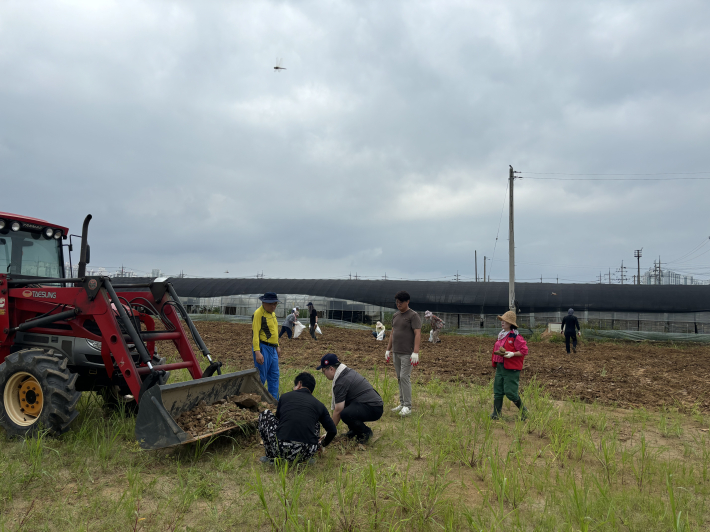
{"type": "Point", "coordinates": [293, 431]}
{"type": "Point", "coordinates": [293, 451]}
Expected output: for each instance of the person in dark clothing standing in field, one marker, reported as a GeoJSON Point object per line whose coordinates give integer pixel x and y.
{"type": "Point", "coordinates": [570, 326]}
{"type": "Point", "coordinates": [405, 341]}
{"type": "Point", "coordinates": [313, 315]}
{"type": "Point", "coordinates": [354, 399]}
{"type": "Point", "coordinates": [293, 433]}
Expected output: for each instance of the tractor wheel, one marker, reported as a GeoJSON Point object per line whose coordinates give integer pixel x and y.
{"type": "Point", "coordinates": [38, 392]}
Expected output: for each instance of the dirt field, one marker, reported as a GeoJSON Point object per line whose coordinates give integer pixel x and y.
{"type": "Point", "coordinates": [625, 374]}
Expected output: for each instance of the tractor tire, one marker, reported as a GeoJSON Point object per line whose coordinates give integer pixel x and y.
{"type": "Point", "coordinates": [38, 392]}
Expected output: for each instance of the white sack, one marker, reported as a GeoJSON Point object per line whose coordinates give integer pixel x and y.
{"type": "Point", "coordinates": [297, 329]}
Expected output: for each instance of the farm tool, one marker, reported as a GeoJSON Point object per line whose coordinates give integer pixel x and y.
{"type": "Point", "coordinates": [61, 336]}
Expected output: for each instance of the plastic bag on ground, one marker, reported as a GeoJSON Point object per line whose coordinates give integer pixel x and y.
{"type": "Point", "coordinates": [297, 329]}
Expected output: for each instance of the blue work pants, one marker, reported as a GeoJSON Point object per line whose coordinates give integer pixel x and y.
{"type": "Point", "coordinates": [269, 370]}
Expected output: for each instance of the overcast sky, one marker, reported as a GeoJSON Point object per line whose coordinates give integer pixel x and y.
{"type": "Point", "coordinates": [384, 146]}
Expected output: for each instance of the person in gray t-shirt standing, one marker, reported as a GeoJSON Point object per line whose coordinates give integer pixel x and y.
{"type": "Point", "coordinates": [404, 341]}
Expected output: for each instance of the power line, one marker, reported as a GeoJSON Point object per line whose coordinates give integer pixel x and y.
{"type": "Point", "coordinates": [618, 178]}
{"type": "Point", "coordinates": [695, 249]}
{"type": "Point", "coordinates": [654, 173]}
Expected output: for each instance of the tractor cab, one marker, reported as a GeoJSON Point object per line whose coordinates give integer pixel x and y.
{"type": "Point", "coordinates": [30, 247]}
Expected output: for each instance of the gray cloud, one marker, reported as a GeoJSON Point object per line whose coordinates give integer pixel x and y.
{"type": "Point", "coordinates": [383, 147]}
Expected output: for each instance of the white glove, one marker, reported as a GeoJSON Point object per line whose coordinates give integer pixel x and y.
{"type": "Point", "coordinates": [387, 356]}
{"type": "Point", "coordinates": [414, 359]}
{"type": "Point", "coordinates": [508, 354]}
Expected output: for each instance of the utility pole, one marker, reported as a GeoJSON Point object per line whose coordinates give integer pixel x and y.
{"type": "Point", "coordinates": [637, 255]}
{"type": "Point", "coordinates": [622, 272]}
{"type": "Point", "coordinates": [457, 276]}
{"type": "Point", "coordinates": [600, 277]}
{"type": "Point", "coordinates": [484, 268]}
{"type": "Point", "coordinates": [609, 275]}
{"type": "Point", "coordinates": [660, 272]}
{"type": "Point", "coordinates": [511, 244]}
{"type": "Point", "coordinates": [385, 276]}
{"type": "Point", "coordinates": [475, 259]}
{"type": "Point", "coordinates": [356, 276]}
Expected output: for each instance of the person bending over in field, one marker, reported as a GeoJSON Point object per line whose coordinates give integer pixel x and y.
{"type": "Point", "coordinates": [379, 332]}
{"type": "Point", "coordinates": [508, 356]}
{"type": "Point", "coordinates": [354, 399]}
{"type": "Point", "coordinates": [436, 325]}
{"type": "Point", "coordinates": [293, 433]}
{"type": "Point", "coordinates": [287, 326]}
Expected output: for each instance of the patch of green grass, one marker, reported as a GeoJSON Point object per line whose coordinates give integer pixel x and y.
{"type": "Point", "coordinates": [446, 467]}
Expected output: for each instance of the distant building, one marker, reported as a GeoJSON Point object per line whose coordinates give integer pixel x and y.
{"type": "Point", "coordinates": [155, 272]}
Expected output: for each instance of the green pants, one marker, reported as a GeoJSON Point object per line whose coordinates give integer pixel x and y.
{"type": "Point", "coordinates": [506, 383]}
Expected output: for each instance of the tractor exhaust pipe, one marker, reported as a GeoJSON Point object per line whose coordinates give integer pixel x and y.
{"type": "Point", "coordinates": [84, 256]}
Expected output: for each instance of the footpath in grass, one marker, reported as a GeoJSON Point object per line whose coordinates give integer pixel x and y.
{"type": "Point", "coordinates": [571, 466]}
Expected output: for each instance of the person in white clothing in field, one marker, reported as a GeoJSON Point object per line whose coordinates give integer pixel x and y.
{"type": "Point", "coordinates": [405, 339]}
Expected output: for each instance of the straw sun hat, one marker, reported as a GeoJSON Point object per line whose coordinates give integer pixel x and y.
{"type": "Point", "coordinates": [509, 317]}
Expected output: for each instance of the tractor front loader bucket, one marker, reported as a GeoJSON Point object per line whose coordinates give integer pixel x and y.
{"type": "Point", "coordinates": [160, 406]}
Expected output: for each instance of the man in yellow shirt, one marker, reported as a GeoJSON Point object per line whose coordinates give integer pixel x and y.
{"type": "Point", "coordinates": [265, 342]}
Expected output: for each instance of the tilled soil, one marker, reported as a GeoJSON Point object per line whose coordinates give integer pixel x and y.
{"type": "Point", "coordinates": [233, 411]}
{"type": "Point", "coordinates": [626, 374]}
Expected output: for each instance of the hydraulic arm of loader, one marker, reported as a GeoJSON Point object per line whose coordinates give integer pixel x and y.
{"type": "Point", "coordinates": [112, 308]}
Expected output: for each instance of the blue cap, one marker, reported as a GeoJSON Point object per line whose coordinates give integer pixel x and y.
{"type": "Point", "coordinates": [328, 360]}
{"type": "Point", "coordinates": [269, 297]}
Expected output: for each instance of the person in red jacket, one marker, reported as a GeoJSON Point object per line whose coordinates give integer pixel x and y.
{"type": "Point", "coordinates": [508, 355]}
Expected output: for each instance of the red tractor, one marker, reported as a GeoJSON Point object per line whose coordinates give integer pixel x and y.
{"type": "Point", "coordinates": [61, 336]}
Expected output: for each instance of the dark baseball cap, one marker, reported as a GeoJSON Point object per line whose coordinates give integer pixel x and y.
{"type": "Point", "coordinates": [328, 360]}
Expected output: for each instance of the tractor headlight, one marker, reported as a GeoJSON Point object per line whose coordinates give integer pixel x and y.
{"type": "Point", "coordinates": [94, 344]}
{"type": "Point", "coordinates": [58, 234]}
{"type": "Point", "coordinates": [3, 223]}
{"type": "Point", "coordinates": [48, 232]}
{"type": "Point", "coordinates": [15, 226]}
